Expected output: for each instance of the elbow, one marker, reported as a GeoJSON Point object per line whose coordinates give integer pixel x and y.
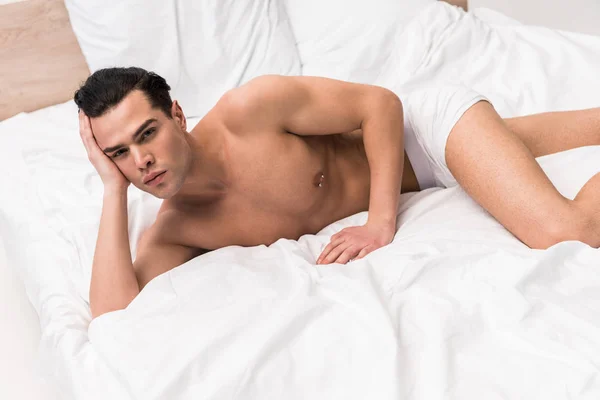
{"type": "Point", "coordinates": [383, 105]}
{"type": "Point", "coordinates": [99, 307]}
{"type": "Point", "coordinates": [390, 99]}
{"type": "Point", "coordinates": [96, 313]}
{"type": "Point", "coordinates": [99, 310]}
{"type": "Point", "coordinates": [391, 105]}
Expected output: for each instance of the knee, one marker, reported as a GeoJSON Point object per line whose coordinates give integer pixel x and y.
{"type": "Point", "coordinates": [588, 231]}
{"type": "Point", "coordinates": [576, 225]}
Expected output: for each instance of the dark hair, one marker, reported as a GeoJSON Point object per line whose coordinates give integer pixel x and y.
{"type": "Point", "coordinates": [106, 88]}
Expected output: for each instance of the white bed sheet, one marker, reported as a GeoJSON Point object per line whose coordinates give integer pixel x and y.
{"type": "Point", "coordinates": [455, 307]}
{"type": "Point", "coordinates": [19, 340]}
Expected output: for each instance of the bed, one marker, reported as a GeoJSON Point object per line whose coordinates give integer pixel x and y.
{"type": "Point", "coordinates": [454, 308]}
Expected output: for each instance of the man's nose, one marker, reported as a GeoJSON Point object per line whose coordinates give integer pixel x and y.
{"type": "Point", "coordinates": [143, 158]}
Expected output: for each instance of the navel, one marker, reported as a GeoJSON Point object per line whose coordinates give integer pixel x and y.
{"type": "Point", "coordinates": [319, 179]}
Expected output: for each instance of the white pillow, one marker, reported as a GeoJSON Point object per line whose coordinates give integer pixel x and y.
{"type": "Point", "coordinates": [348, 39]}
{"type": "Point", "coordinates": [201, 47]}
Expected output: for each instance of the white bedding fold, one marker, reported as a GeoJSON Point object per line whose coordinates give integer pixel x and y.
{"type": "Point", "coordinates": [457, 309]}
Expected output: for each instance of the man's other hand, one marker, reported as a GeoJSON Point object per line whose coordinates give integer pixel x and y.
{"type": "Point", "coordinates": [355, 242]}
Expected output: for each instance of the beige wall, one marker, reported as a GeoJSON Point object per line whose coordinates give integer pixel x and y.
{"type": "Point", "coordinates": [571, 15]}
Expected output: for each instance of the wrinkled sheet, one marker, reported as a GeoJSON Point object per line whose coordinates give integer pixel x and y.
{"type": "Point", "coordinates": [454, 308]}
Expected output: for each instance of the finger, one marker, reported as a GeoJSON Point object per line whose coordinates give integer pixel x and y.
{"type": "Point", "coordinates": [88, 137]}
{"type": "Point", "coordinates": [83, 123]}
{"type": "Point", "coordinates": [347, 254]}
{"type": "Point", "coordinates": [85, 126]}
{"type": "Point", "coordinates": [334, 243]}
{"type": "Point", "coordinates": [334, 253]}
{"type": "Point", "coordinates": [84, 130]}
{"type": "Point", "coordinates": [327, 252]}
{"type": "Point", "coordinates": [364, 252]}
{"type": "Point", "coordinates": [336, 235]}
{"type": "Point", "coordinates": [341, 235]}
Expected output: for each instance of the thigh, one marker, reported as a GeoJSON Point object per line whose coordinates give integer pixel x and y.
{"type": "Point", "coordinates": [498, 170]}
{"type": "Point", "coordinates": [552, 132]}
{"type": "Point", "coordinates": [430, 114]}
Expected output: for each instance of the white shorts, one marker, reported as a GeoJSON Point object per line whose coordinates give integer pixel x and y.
{"type": "Point", "coordinates": [429, 116]}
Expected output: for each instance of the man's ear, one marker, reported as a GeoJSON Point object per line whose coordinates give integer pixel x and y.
{"type": "Point", "coordinates": [177, 114]}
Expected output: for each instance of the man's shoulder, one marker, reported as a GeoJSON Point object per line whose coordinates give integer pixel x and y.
{"type": "Point", "coordinates": [252, 102]}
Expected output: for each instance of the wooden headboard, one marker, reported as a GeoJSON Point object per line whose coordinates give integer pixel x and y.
{"type": "Point", "coordinates": [42, 63]}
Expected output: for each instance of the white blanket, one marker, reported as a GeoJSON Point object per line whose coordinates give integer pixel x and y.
{"type": "Point", "coordinates": [454, 308]}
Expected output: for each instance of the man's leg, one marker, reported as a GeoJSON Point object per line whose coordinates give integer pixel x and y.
{"type": "Point", "coordinates": [551, 132]}
{"type": "Point", "coordinates": [498, 170]}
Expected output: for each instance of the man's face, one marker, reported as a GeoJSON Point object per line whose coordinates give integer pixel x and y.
{"type": "Point", "coordinates": [141, 141]}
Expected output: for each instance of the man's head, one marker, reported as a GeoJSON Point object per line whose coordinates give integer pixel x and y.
{"type": "Point", "coordinates": [137, 125]}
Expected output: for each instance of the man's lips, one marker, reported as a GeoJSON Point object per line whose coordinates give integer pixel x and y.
{"type": "Point", "coordinates": [151, 177]}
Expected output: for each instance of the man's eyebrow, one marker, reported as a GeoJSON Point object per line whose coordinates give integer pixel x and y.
{"type": "Point", "coordinates": [137, 132]}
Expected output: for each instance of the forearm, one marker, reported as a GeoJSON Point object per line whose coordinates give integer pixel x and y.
{"type": "Point", "coordinates": [114, 284]}
{"type": "Point", "coordinates": [460, 3]}
{"type": "Point", "coordinates": [383, 136]}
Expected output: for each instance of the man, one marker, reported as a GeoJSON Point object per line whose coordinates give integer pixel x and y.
{"type": "Point", "coordinates": [280, 157]}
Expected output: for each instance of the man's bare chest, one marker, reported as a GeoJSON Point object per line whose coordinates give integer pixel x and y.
{"type": "Point", "coordinates": [281, 189]}
{"type": "Point", "coordinates": [286, 175]}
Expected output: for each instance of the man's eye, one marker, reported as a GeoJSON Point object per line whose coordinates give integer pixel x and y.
{"type": "Point", "coordinates": [148, 133]}
{"type": "Point", "coordinates": [118, 153]}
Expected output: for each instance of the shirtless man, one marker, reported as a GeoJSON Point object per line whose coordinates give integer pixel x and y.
{"type": "Point", "coordinates": [279, 157]}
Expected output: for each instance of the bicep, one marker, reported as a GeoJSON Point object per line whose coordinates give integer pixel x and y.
{"type": "Point", "coordinates": [307, 105]}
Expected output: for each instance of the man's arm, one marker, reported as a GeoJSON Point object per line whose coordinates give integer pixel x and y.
{"type": "Point", "coordinates": [460, 3]}
{"type": "Point", "coordinates": [116, 280]}
{"type": "Point", "coordinates": [114, 284]}
{"type": "Point", "coordinates": [322, 106]}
